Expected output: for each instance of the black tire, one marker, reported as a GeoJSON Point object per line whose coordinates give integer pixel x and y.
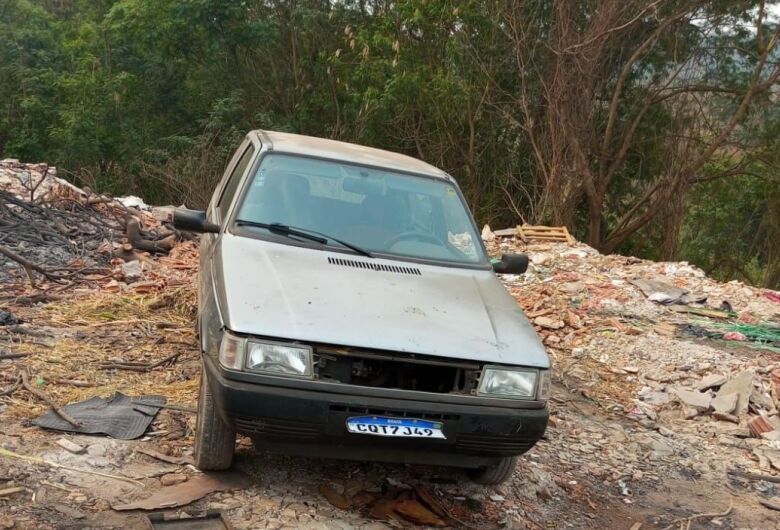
{"type": "Point", "coordinates": [215, 442]}
{"type": "Point", "coordinates": [494, 475]}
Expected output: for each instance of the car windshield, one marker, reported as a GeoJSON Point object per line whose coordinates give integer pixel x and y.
{"type": "Point", "coordinates": [378, 210]}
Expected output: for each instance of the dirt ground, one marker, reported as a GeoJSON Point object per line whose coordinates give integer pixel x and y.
{"type": "Point", "coordinates": [663, 413]}
{"type": "Point", "coordinates": [601, 465]}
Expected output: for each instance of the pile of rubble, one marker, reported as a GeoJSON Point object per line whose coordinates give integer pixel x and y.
{"type": "Point", "coordinates": [56, 233]}
{"type": "Point", "coordinates": [663, 345]}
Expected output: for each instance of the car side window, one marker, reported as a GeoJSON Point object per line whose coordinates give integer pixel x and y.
{"type": "Point", "coordinates": [233, 180]}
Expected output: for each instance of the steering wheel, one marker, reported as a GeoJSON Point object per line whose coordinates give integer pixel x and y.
{"type": "Point", "coordinates": [422, 236]}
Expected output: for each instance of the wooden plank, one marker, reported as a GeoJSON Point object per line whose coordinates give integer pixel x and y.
{"type": "Point", "coordinates": [700, 311]}
{"type": "Point", "coordinates": [568, 235]}
{"type": "Point", "coordinates": [544, 233]}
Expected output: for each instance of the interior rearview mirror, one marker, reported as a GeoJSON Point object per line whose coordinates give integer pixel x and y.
{"type": "Point", "coordinates": [193, 221]}
{"type": "Point", "coordinates": [511, 264]}
{"type": "Point", "coordinates": [363, 186]}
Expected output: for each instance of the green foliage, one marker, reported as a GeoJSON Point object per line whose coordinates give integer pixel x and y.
{"type": "Point", "coordinates": [723, 218]}
{"type": "Point", "coordinates": [151, 98]}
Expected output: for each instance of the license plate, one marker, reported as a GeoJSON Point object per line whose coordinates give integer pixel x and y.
{"type": "Point", "coordinates": [397, 427]}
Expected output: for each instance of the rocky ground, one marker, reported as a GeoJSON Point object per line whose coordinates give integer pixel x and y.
{"type": "Point", "coordinates": [664, 408]}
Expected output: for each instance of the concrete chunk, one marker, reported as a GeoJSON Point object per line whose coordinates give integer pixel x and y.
{"type": "Point", "coordinates": [549, 323]}
{"type": "Point", "coordinates": [132, 270]}
{"type": "Point", "coordinates": [711, 381]}
{"type": "Point", "coordinates": [725, 403]}
{"type": "Point", "coordinates": [742, 385]}
{"type": "Point", "coordinates": [697, 400]}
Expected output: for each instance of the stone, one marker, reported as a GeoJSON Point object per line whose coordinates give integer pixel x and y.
{"type": "Point", "coordinates": [659, 448]}
{"type": "Point", "coordinates": [173, 478]}
{"type": "Point", "coordinates": [541, 259]}
{"type": "Point", "coordinates": [697, 400]}
{"type": "Point", "coordinates": [655, 397]}
{"type": "Point", "coordinates": [72, 447]}
{"type": "Point", "coordinates": [548, 323]}
{"type": "Point", "coordinates": [711, 381]}
{"type": "Point", "coordinates": [132, 270]}
{"type": "Point", "coordinates": [742, 385]}
{"type": "Point", "coordinates": [7, 318]}
{"type": "Point", "coordinates": [725, 403]}
{"type": "Point", "coordinates": [723, 416]}
{"type": "Point", "coordinates": [96, 450]}
{"type": "Point", "coordinates": [772, 436]}
{"type": "Point", "coordinates": [487, 233]}
{"type": "Point", "coordinates": [572, 288]}
{"type": "Point", "coordinates": [763, 401]}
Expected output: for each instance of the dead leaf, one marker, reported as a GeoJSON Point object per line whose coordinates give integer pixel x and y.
{"type": "Point", "coordinates": [382, 509]}
{"type": "Point", "coordinates": [335, 498]}
{"type": "Point", "coordinates": [180, 460]}
{"type": "Point", "coordinates": [352, 487]}
{"type": "Point", "coordinates": [417, 513]}
{"type": "Point", "coordinates": [187, 492]}
{"type": "Point", "coordinates": [363, 498]}
{"type": "Point", "coordinates": [430, 501]}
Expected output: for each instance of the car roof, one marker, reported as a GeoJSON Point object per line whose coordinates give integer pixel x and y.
{"type": "Point", "coordinates": [346, 152]}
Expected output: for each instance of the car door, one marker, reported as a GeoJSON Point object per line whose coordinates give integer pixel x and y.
{"type": "Point", "coordinates": [210, 318]}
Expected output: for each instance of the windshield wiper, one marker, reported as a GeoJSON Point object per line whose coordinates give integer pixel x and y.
{"type": "Point", "coordinates": [304, 233]}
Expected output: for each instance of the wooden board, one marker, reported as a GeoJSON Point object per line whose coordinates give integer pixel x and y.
{"type": "Point", "coordinates": [529, 233]}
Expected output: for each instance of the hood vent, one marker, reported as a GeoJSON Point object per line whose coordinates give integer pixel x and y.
{"type": "Point", "coordinates": [374, 266]}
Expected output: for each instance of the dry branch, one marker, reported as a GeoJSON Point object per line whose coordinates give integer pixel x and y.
{"type": "Point", "coordinates": [38, 460]}
{"type": "Point", "coordinates": [140, 367]}
{"type": "Point", "coordinates": [754, 476]}
{"type": "Point", "coordinates": [28, 266]}
{"type": "Point", "coordinates": [48, 400]}
{"type": "Point", "coordinates": [5, 356]}
{"type": "Point", "coordinates": [690, 519]}
{"type": "Point", "coordinates": [135, 238]}
{"type": "Point", "coordinates": [11, 388]}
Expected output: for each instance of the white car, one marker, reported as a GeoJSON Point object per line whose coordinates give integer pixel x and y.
{"type": "Point", "coordinates": [348, 308]}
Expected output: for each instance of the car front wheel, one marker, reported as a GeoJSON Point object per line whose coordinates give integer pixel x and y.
{"type": "Point", "coordinates": [496, 474]}
{"type": "Point", "coordinates": [215, 441]}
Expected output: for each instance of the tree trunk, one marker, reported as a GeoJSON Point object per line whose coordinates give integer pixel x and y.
{"type": "Point", "coordinates": [673, 217]}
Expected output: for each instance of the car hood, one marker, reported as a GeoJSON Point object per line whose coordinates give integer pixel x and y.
{"type": "Point", "coordinates": [291, 292]}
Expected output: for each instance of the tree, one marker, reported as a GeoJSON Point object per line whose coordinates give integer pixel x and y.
{"type": "Point", "coordinates": [615, 78]}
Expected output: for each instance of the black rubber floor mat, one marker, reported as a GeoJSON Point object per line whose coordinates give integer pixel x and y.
{"type": "Point", "coordinates": [119, 416]}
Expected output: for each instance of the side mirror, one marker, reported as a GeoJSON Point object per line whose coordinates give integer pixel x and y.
{"type": "Point", "coordinates": [511, 264]}
{"type": "Point", "coordinates": [193, 221]}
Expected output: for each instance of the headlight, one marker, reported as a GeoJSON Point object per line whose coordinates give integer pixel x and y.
{"type": "Point", "coordinates": [507, 383]}
{"type": "Point", "coordinates": [279, 358]}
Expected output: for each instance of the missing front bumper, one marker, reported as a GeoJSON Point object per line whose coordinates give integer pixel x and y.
{"type": "Point", "coordinates": [306, 421]}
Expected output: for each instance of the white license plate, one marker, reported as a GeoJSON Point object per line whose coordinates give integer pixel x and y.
{"type": "Point", "coordinates": [397, 427]}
